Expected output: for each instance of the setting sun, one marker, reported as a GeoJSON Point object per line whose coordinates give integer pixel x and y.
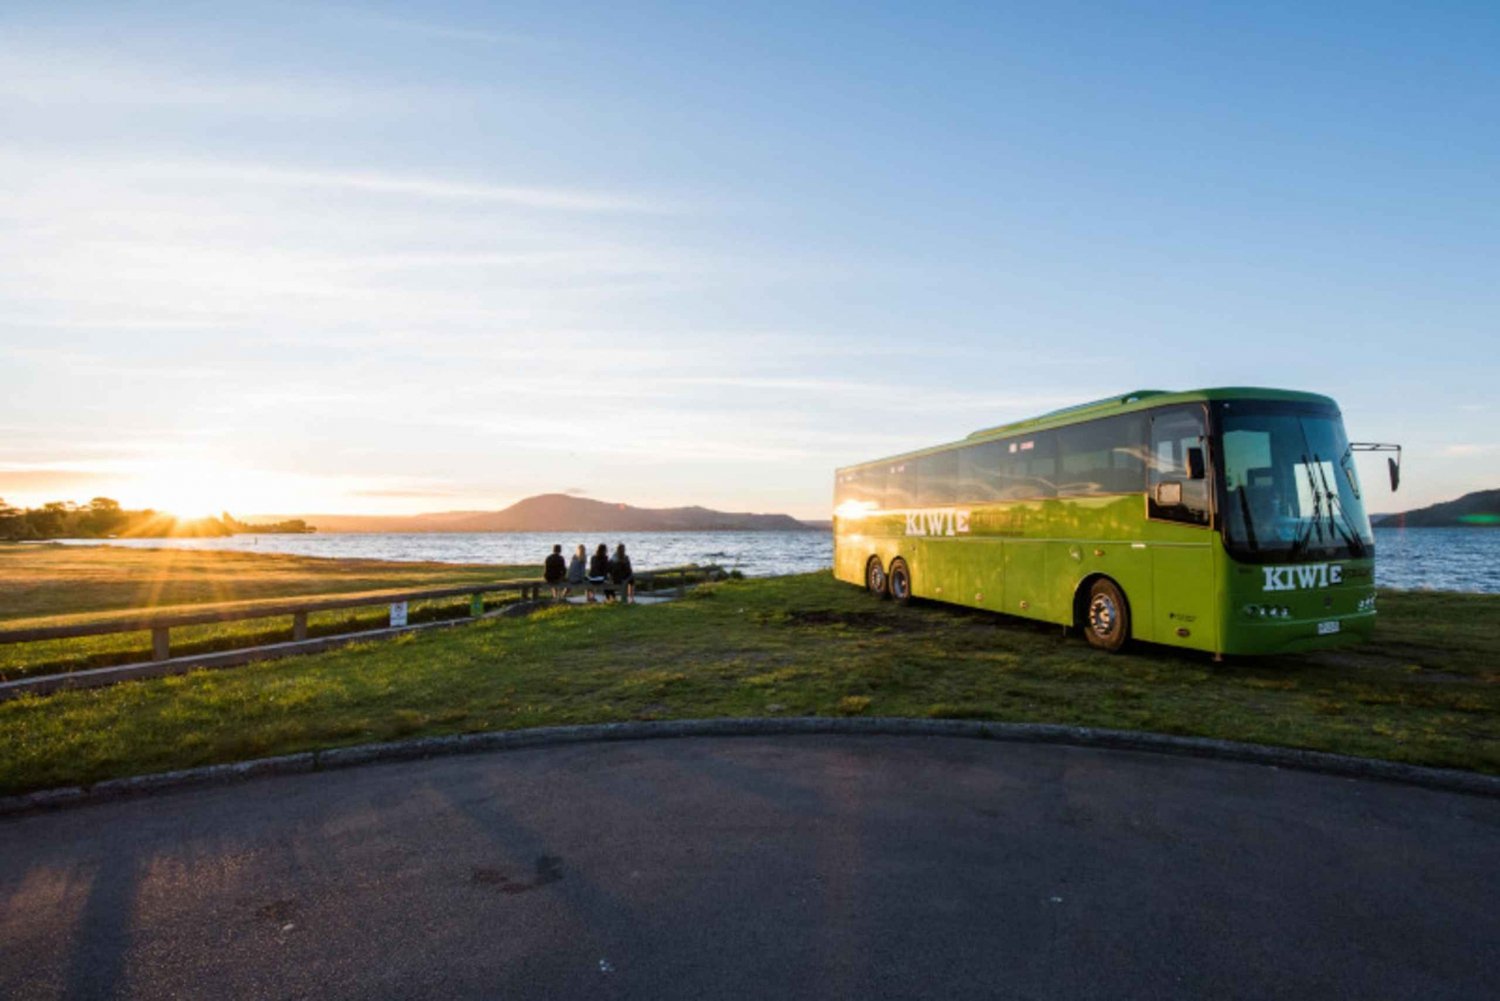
{"type": "Point", "coordinates": [205, 490]}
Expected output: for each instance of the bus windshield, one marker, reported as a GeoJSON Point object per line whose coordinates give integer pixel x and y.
{"type": "Point", "coordinates": [1290, 489]}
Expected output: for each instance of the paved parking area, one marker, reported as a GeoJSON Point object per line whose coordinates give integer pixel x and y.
{"type": "Point", "coordinates": [787, 867]}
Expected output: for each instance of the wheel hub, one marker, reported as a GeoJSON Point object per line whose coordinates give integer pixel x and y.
{"type": "Point", "coordinates": [1103, 615]}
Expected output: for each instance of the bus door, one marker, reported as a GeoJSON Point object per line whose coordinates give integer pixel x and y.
{"type": "Point", "coordinates": [1184, 585]}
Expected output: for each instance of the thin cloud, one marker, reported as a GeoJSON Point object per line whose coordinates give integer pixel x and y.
{"type": "Point", "coordinates": [138, 171]}
{"type": "Point", "coordinates": [61, 78]}
{"type": "Point", "coordinates": [399, 494]}
{"type": "Point", "coordinates": [398, 185]}
{"type": "Point", "coordinates": [448, 32]}
{"type": "Point", "coordinates": [29, 482]}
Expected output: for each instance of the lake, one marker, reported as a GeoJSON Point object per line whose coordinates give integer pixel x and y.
{"type": "Point", "coordinates": [1447, 559]}
{"type": "Point", "coordinates": [755, 554]}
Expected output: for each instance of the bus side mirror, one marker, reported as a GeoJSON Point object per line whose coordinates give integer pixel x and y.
{"type": "Point", "coordinates": [1169, 494]}
{"type": "Point", "coordinates": [1393, 462]}
{"type": "Point", "coordinates": [1195, 468]}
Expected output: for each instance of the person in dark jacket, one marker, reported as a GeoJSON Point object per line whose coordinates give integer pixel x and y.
{"type": "Point", "coordinates": [555, 572]}
{"type": "Point", "coordinates": [621, 573]}
{"type": "Point", "coordinates": [599, 573]}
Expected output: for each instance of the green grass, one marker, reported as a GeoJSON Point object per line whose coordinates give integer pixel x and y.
{"type": "Point", "coordinates": [1426, 692]}
{"type": "Point", "coordinates": [53, 582]}
{"type": "Point", "coordinates": [56, 585]}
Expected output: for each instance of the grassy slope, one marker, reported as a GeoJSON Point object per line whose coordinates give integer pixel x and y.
{"type": "Point", "coordinates": [48, 585]}
{"type": "Point", "coordinates": [1427, 692]}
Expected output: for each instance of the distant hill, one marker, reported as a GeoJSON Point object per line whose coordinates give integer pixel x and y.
{"type": "Point", "coordinates": [1479, 508]}
{"type": "Point", "coordinates": [564, 513]}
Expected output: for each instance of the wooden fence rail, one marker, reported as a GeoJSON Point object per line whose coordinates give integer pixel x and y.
{"type": "Point", "coordinates": [160, 626]}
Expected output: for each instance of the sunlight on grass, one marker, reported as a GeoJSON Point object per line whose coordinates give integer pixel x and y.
{"type": "Point", "coordinates": [786, 646]}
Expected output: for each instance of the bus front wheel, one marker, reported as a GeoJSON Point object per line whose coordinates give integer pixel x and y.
{"type": "Point", "coordinates": [900, 582]}
{"type": "Point", "coordinates": [875, 579]}
{"type": "Point", "coordinates": [1106, 616]}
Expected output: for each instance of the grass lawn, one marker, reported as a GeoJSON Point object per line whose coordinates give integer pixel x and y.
{"type": "Point", "coordinates": [57, 584]}
{"type": "Point", "coordinates": [44, 582]}
{"type": "Point", "coordinates": [1425, 692]}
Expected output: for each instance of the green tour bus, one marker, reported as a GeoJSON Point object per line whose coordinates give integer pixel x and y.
{"type": "Point", "coordinates": [1223, 520]}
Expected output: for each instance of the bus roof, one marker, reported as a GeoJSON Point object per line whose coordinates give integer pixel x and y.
{"type": "Point", "coordinates": [1140, 399]}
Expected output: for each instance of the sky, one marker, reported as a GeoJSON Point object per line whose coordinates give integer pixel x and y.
{"type": "Point", "coordinates": [299, 257]}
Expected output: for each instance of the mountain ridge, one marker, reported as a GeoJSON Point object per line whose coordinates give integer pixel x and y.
{"type": "Point", "coordinates": [1479, 508]}
{"type": "Point", "coordinates": [555, 512]}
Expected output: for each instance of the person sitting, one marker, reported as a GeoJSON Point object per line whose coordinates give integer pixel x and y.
{"type": "Point", "coordinates": [555, 572]}
{"type": "Point", "coordinates": [621, 573]}
{"type": "Point", "coordinates": [599, 573]}
{"type": "Point", "coordinates": [578, 571]}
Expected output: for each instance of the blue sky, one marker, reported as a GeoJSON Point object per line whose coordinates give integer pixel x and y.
{"type": "Point", "coordinates": [301, 257]}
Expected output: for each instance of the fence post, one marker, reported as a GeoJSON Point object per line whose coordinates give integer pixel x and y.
{"type": "Point", "coordinates": [299, 626]}
{"type": "Point", "coordinates": [161, 646]}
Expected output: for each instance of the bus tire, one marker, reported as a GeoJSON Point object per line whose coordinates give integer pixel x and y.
{"type": "Point", "coordinates": [875, 579]}
{"type": "Point", "coordinates": [1106, 616]}
{"type": "Point", "coordinates": [900, 582]}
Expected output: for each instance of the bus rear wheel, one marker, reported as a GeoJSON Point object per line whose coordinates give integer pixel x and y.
{"type": "Point", "coordinates": [1106, 616]}
{"type": "Point", "coordinates": [875, 579]}
{"type": "Point", "coordinates": [900, 582]}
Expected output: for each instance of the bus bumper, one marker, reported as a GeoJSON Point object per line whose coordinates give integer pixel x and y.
{"type": "Point", "coordinates": [1269, 636]}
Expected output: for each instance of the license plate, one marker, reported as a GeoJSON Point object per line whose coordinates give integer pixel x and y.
{"type": "Point", "coordinates": [1328, 628]}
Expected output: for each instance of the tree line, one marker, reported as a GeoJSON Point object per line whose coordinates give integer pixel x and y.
{"type": "Point", "coordinates": [104, 518]}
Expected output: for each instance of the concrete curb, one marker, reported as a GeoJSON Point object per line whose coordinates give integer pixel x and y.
{"type": "Point", "coordinates": [1443, 779]}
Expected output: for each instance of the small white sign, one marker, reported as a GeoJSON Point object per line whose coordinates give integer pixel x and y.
{"type": "Point", "coordinates": [398, 614]}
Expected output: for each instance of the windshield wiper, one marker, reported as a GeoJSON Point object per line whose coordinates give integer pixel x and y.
{"type": "Point", "coordinates": [1346, 463]}
{"type": "Point", "coordinates": [1249, 521]}
{"type": "Point", "coordinates": [1314, 523]}
{"type": "Point", "coordinates": [1346, 529]}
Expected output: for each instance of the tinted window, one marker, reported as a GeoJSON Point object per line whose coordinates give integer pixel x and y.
{"type": "Point", "coordinates": [979, 470]}
{"type": "Point", "coordinates": [866, 486]}
{"type": "Point", "coordinates": [1029, 468]}
{"type": "Point", "coordinates": [937, 478]}
{"type": "Point", "coordinates": [900, 485]}
{"type": "Point", "coordinates": [1176, 433]}
{"type": "Point", "coordinates": [1103, 457]}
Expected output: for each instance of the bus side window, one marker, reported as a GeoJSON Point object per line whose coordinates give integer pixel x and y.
{"type": "Point", "coordinates": [937, 479]}
{"type": "Point", "coordinates": [900, 485]}
{"type": "Point", "coordinates": [979, 472]}
{"type": "Point", "coordinates": [1103, 456]}
{"type": "Point", "coordinates": [1178, 449]}
{"type": "Point", "coordinates": [1029, 468]}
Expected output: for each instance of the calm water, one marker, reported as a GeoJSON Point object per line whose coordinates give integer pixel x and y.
{"type": "Point", "coordinates": [1448, 559]}
{"type": "Point", "coordinates": [1440, 559]}
{"type": "Point", "coordinates": [756, 554]}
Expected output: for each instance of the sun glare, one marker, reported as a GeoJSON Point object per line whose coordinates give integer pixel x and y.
{"type": "Point", "coordinates": [191, 490]}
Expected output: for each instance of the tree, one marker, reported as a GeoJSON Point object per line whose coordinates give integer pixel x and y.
{"type": "Point", "coordinates": [103, 517]}
{"type": "Point", "coordinates": [12, 521]}
{"type": "Point", "coordinates": [49, 520]}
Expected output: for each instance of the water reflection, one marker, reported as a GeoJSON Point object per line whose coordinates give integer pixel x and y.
{"type": "Point", "coordinates": [1447, 559]}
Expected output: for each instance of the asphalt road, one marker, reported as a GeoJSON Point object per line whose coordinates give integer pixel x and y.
{"type": "Point", "coordinates": [781, 868]}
